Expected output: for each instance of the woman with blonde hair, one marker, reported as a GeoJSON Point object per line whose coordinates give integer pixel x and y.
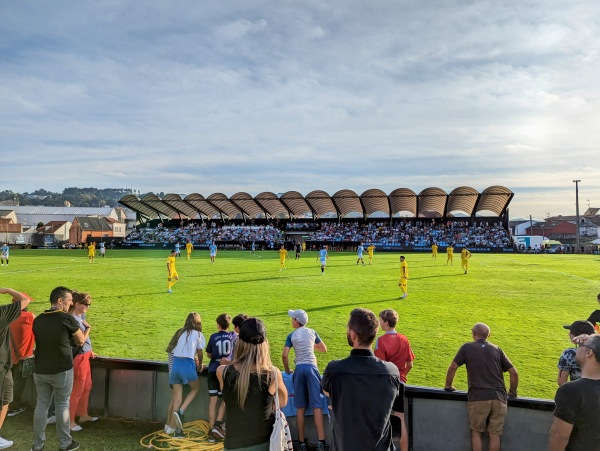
{"type": "Point", "coordinates": [186, 346]}
{"type": "Point", "coordinates": [82, 371]}
{"type": "Point", "coordinates": [248, 387]}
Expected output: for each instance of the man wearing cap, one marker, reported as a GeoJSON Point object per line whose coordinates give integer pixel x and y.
{"type": "Point", "coordinates": [307, 379]}
{"type": "Point", "coordinates": [567, 366]}
{"type": "Point", "coordinates": [487, 397]}
{"type": "Point", "coordinates": [576, 424]}
{"type": "Point", "coordinates": [8, 314]}
{"type": "Point", "coordinates": [363, 390]}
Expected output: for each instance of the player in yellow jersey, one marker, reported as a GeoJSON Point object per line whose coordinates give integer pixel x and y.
{"type": "Point", "coordinates": [91, 251]}
{"type": "Point", "coordinates": [172, 276]}
{"type": "Point", "coordinates": [403, 284]}
{"type": "Point", "coordinates": [450, 252]}
{"type": "Point", "coordinates": [370, 251]}
{"type": "Point", "coordinates": [434, 249]}
{"type": "Point", "coordinates": [189, 247]}
{"type": "Point", "coordinates": [283, 254]}
{"type": "Point", "coordinates": [465, 255]}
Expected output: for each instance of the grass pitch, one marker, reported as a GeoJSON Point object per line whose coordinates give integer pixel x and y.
{"type": "Point", "coordinates": [525, 299]}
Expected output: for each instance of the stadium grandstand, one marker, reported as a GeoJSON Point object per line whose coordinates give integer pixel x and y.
{"type": "Point", "coordinates": [402, 220]}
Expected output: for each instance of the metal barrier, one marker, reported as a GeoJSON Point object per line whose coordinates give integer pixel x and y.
{"type": "Point", "coordinates": [436, 419]}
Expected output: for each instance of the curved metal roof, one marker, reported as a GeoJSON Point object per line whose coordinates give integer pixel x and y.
{"type": "Point", "coordinates": [430, 203]}
{"type": "Point", "coordinates": [462, 199]}
{"type": "Point", "coordinates": [347, 201]}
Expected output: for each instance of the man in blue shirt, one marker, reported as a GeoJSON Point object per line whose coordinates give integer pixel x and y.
{"type": "Point", "coordinates": [213, 252]}
{"type": "Point", "coordinates": [323, 257]}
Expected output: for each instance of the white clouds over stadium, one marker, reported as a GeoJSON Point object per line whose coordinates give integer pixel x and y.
{"type": "Point", "coordinates": [254, 96]}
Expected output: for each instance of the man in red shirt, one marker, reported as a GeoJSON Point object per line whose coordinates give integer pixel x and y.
{"type": "Point", "coordinates": [21, 348]}
{"type": "Point", "coordinates": [394, 347]}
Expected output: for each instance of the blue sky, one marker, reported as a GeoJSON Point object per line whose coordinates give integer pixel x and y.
{"type": "Point", "coordinates": [254, 96]}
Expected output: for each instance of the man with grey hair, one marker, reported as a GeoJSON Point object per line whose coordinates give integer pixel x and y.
{"type": "Point", "coordinates": [487, 397]}
{"type": "Point", "coordinates": [577, 413]}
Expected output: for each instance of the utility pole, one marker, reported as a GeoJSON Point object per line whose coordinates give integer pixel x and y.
{"type": "Point", "coordinates": [577, 212]}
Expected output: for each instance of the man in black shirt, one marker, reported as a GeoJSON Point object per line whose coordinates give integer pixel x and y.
{"type": "Point", "coordinates": [576, 423]}
{"type": "Point", "coordinates": [54, 330]}
{"type": "Point", "coordinates": [8, 313]}
{"type": "Point", "coordinates": [595, 316]}
{"type": "Point", "coordinates": [363, 390]}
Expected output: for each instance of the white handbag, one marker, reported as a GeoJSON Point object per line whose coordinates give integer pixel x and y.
{"type": "Point", "coordinates": [281, 437]}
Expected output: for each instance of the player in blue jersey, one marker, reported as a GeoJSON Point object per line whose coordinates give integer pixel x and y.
{"type": "Point", "coordinates": [323, 257]}
{"type": "Point", "coordinates": [5, 251]}
{"type": "Point", "coordinates": [177, 250]}
{"type": "Point", "coordinates": [219, 346]}
{"type": "Point", "coordinates": [359, 251]}
{"type": "Point", "coordinates": [213, 252]}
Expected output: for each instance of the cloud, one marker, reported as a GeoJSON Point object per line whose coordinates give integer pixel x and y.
{"type": "Point", "coordinates": [259, 96]}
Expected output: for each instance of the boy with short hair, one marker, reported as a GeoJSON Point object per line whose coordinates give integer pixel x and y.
{"type": "Point", "coordinates": [219, 346]}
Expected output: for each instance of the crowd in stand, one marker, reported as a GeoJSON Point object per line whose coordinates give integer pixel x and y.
{"type": "Point", "coordinates": [403, 233]}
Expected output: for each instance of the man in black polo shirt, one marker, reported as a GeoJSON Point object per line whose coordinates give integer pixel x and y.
{"type": "Point", "coordinates": [486, 398]}
{"type": "Point", "coordinates": [363, 390]}
{"type": "Point", "coordinates": [54, 329]}
{"type": "Point", "coordinates": [8, 313]}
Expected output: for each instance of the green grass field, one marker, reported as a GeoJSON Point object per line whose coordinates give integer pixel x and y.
{"type": "Point", "coordinates": [525, 299]}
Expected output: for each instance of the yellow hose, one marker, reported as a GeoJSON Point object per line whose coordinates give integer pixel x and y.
{"type": "Point", "coordinates": [195, 438]}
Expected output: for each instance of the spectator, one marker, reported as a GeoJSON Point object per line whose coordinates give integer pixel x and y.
{"type": "Point", "coordinates": [306, 379]}
{"type": "Point", "coordinates": [82, 370]}
{"type": "Point", "coordinates": [363, 390]}
{"type": "Point", "coordinates": [248, 387]}
{"type": "Point", "coordinates": [595, 316]}
{"type": "Point", "coordinates": [219, 346]}
{"type": "Point", "coordinates": [54, 329]}
{"type": "Point", "coordinates": [186, 345]}
{"type": "Point", "coordinates": [22, 344]}
{"type": "Point", "coordinates": [576, 424]}
{"type": "Point", "coordinates": [8, 314]}
{"type": "Point", "coordinates": [237, 322]}
{"type": "Point", "coordinates": [486, 398]}
{"type": "Point", "coordinates": [394, 347]}
{"type": "Point", "coordinates": [567, 366]}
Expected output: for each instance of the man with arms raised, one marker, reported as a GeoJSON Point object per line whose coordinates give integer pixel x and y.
{"type": "Point", "coordinates": [363, 390]}
{"type": "Point", "coordinates": [54, 329]}
{"type": "Point", "coordinates": [576, 423]}
{"type": "Point", "coordinates": [8, 314]}
{"type": "Point", "coordinates": [487, 397]}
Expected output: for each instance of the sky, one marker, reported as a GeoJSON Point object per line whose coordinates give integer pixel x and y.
{"type": "Point", "coordinates": [204, 97]}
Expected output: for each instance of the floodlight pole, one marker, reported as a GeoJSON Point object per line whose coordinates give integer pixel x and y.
{"type": "Point", "coordinates": [577, 212]}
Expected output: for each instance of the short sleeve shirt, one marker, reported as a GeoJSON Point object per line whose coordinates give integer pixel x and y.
{"type": "Point", "coordinates": [8, 313]}
{"type": "Point", "coordinates": [303, 341]}
{"type": "Point", "coordinates": [189, 342]}
{"type": "Point", "coordinates": [394, 347]}
{"type": "Point", "coordinates": [567, 362]}
{"type": "Point", "coordinates": [219, 346]}
{"type": "Point", "coordinates": [53, 330]}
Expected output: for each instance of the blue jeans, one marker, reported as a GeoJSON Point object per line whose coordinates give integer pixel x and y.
{"type": "Point", "coordinates": [47, 385]}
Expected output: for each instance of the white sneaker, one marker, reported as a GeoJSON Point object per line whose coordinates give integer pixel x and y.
{"type": "Point", "coordinates": [169, 430]}
{"type": "Point", "coordinates": [5, 443]}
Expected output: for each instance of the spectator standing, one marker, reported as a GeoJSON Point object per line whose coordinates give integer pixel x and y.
{"type": "Point", "coordinates": [403, 284]}
{"type": "Point", "coordinates": [248, 386]}
{"type": "Point", "coordinates": [595, 316]}
{"type": "Point", "coordinates": [465, 255]}
{"type": "Point", "coordinates": [219, 346]}
{"type": "Point", "coordinates": [363, 390]}
{"type": "Point", "coordinates": [567, 366]}
{"type": "Point", "coordinates": [576, 424]}
{"type": "Point", "coordinates": [306, 379]}
{"type": "Point", "coordinates": [486, 398]}
{"type": "Point", "coordinates": [394, 347]}
{"type": "Point", "coordinates": [237, 322]}
{"type": "Point", "coordinates": [82, 370]}
{"type": "Point", "coordinates": [22, 344]}
{"type": "Point", "coordinates": [8, 314]}
{"type": "Point", "coordinates": [54, 330]}
{"type": "Point", "coordinates": [186, 345]}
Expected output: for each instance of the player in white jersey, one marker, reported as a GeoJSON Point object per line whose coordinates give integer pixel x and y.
{"type": "Point", "coordinates": [323, 257]}
{"type": "Point", "coordinates": [213, 252]}
{"type": "Point", "coordinates": [102, 249]}
{"type": "Point", "coordinates": [359, 251]}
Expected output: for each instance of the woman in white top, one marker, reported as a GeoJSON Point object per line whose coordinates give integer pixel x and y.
{"type": "Point", "coordinates": [186, 346]}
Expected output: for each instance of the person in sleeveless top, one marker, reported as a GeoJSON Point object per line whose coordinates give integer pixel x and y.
{"type": "Point", "coordinates": [248, 387]}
